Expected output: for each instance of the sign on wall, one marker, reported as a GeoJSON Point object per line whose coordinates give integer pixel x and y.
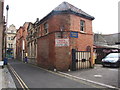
{"type": "Point", "coordinates": [61, 42]}
{"type": "Point", "coordinates": [74, 34]}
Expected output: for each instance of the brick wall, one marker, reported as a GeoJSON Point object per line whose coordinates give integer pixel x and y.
{"type": "Point", "coordinates": [19, 39]}
{"type": "Point", "coordinates": [57, 22]}
{"type": "Point", "coordinates": [21, 35]}
{"type": "Point", "coordinates": [25, 34]}
{"type": "Point", "coordinates": [46, 52]}
{"type": "Point", "coordinates": [1, 29]}
{"type": "Point", "coordinates": [50, 56]}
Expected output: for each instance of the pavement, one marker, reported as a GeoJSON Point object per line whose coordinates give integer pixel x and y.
{"type": "Point", "coordinates": [6, 80]}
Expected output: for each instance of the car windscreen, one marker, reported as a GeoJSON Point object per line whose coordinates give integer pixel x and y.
{"type": "Point", "coordinates": [113, 55]}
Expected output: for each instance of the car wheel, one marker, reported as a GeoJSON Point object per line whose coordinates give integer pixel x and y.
{"type": "Point", "coordinates": [117, 65]}
{"type": "Point", "coordinates": [103, 65]}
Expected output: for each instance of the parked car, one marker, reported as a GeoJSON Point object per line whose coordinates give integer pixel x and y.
{"type": "Point", "coordinates": [112, 60]}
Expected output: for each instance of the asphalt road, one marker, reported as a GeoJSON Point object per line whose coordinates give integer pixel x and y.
{"type": "Point", "coordinates": [31, 76]}
{"type": "Point", "coordinates": [105, 75]}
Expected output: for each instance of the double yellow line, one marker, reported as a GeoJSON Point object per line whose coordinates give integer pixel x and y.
{"type": "Point", "coordinates": [21, 82]}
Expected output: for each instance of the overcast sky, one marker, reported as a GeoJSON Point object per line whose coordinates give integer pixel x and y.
{"type": "Point", "coordinates": [104, 11]}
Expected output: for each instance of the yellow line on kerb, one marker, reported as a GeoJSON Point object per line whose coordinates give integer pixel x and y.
{"type": "Point", "coordinates": [17, 79]}
{"type": "Point", "coordinates": [21, 82]}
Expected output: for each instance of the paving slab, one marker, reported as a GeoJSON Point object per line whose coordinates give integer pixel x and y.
{"type": "Point", "coordinates": [6, 80]}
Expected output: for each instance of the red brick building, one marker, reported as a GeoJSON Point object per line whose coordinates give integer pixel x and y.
{"type": "Point", "coordinates": [55, 39]}
{"type": "Point", "coordinates": [21, 42]}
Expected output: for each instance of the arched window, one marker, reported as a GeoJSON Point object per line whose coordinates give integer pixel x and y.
{"type": "Point", "coordinates": [88, 48]}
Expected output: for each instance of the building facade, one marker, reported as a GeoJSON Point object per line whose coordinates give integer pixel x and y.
{"type": "Point", "coordinates": [14, 45]}
{"type": "Point", "coordinates": [32, 42]}
{"type": "Point", "coordinates": [21, 42]}
{"type": "Point", "coordinates": [2, 22]}
{"type": "Point", "coordinates": [63, 29]}
{"type": "Point", "coordinates": [10, 34]}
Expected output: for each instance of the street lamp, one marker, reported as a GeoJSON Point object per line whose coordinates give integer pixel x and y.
{"type": "Point", "coordinates": [7, 8]}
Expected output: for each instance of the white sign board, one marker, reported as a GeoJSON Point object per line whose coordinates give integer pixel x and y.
{"type": "Point", "coordinates": [61, 42]}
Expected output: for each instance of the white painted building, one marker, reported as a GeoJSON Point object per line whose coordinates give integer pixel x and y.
{"type": "Point", "coordinates": [10, 34]}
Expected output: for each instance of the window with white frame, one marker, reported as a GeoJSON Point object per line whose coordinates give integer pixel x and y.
{"type": "Point", "coordinates": [82, 25]}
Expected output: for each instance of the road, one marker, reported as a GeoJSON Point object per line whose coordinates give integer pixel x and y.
{"type": "Point", "coordinates": [105, 75]}
{"type": "Point", "coordinates": [30, 76]}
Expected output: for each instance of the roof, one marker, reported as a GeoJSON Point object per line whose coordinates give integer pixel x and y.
{"type": "Point", "coordinates": [112, 38]}
{"type": "Point", "coordinates": [67, 6]}
{"type": "Point", "coordinates": [99, 40]}
{"type": "Point", "coordinates": [107, 46]}
{"type": "Point", "coordinates": [108, 41]}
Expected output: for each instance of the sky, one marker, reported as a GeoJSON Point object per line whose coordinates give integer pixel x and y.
{"type": "Point", "coordinates": [104, 11]}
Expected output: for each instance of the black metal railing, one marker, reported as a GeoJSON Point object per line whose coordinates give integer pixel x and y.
{"type": "Point", "coordinates": [80, 60]}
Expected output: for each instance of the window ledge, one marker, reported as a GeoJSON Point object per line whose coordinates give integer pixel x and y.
{"type": "Point", "coordinates": [46, 33]}
{"type": "Point", "coordinates": [83, 32]}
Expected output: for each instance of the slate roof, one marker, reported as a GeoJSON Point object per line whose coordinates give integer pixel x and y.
{"type": "Point", "coordinates": [66, 6]}
{"type": "Point", "coordinates": [107, 41]}
{"type": "Point", "coordinates": [99, 39]}
{"type": "Point", "coordinates": [110, 39]}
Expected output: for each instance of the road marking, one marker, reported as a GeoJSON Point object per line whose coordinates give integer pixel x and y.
{"type": "Point", "coordinates": [98, 76]}
{"type": "Point", "coordinates": [21, 82]}
{"type": "Point", "coordinates": [17, 78]}
{"type": "Point", "coordinates": [101, 84]}
{"type": "Point", "coordinates": [20, 78]}
{"type": "Point", "coordinates": [83, 80]}
{"type": "Point", "coordinates": [113, 69]}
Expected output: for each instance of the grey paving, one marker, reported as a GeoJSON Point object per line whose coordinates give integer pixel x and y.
{"type": "Point", "coordinates": [6, 80]}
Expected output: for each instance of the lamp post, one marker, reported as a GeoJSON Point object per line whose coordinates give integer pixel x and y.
{"type": "Point", "coordinates": [7, 8]}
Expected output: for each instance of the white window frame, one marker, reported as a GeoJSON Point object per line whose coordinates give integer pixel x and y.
{"type": "Point", "coordinates": [82, 25]}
